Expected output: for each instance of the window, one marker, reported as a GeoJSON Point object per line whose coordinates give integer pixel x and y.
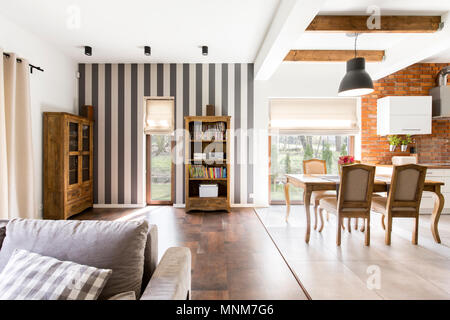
{"type": "Point", "coordinates": [302, 129]}
{"type": "Point", "coordinates": [287, 153]}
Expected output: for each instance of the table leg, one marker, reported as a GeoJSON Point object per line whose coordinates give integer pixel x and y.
{"type": "Point", "coordinates": [306, 200]}
{"type": "Point", "coordinates": [288, 200]}
{"type": "Point", "coordinates": [438, 206]}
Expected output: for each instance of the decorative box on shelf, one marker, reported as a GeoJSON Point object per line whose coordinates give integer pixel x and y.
{"type": "Point", "coordinates": [208, 191]}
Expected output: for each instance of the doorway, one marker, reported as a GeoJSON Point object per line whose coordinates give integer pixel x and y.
{"type": "Point", "coordinates": [160, 169]}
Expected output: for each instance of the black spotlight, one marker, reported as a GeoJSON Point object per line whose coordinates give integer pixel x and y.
{"type": "Point", "coordinates": [147, 50]}
{"type": "Point", "coordinates": [88, 51]}
{"type": "Point", "coordinates": [205, 50]}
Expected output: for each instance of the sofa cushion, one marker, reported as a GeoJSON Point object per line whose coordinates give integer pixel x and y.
{"type": "Point", "coordinates": [31, 276]}
{"type": "Point", "coordinates": [102, 244]}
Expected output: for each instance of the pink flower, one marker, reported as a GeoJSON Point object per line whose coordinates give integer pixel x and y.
{"type": "Point", "coordinates": [346, 160]}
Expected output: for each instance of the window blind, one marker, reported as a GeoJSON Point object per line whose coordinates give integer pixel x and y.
{"type": "Point", "coordinates": [334, 116]}
{"type": "Point", "coordinates": [159, 116]}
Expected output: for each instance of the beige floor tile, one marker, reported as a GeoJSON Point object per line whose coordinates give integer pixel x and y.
{"type": "Point", "coordinates": [397, 282]}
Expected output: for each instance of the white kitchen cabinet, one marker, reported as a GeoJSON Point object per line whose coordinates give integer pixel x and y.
{"type": "Point", "coordinates": [404, 115]}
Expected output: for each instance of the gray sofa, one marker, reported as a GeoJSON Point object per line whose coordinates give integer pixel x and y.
{"type": "Point", "coordinates": [129, 248]}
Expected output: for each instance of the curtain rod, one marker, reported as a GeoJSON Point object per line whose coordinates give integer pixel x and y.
{"type": "Point", "coordinates": [20, 60]}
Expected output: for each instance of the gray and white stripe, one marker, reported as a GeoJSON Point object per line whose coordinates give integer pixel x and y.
{"type": "Point", "coordinates": [117, 92]}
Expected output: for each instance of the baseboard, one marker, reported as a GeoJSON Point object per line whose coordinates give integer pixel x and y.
{"type": "Point", "coordinates": [236, 205]}
{"type": "Point", "coordinates": [118, 206]}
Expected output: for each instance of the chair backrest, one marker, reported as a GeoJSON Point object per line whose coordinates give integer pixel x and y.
{"type": "Point", "coordinates": [406, 186]}
{"type": "Point", "coordinates": [356, 188]}
{"type": "Point", "coordinates": [314, 166]}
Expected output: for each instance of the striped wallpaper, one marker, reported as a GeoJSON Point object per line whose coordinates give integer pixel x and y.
{"type": "Point", "coordinates": [117, 93]}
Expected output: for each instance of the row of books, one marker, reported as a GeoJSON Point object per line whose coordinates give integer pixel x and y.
{"type": "Point", "coordinates": [209, 131]}
{"type": "Point", "coordinates": [199, 171]}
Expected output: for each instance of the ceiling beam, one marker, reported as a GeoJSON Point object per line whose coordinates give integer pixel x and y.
{"type": "Point", "coordinates": [410, 51]}
{"type": "Point", "coordinates": [388, 24]}
{"type": "Point", "coordinates": [333, 55]}
{"type": "Point", "coordinates": [289, 22]}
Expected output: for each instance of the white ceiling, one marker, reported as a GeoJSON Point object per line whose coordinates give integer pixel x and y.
{"type": "Point", "coordinates": [118, 29]}
{"type": "Point", "coordinates": [233, 29]}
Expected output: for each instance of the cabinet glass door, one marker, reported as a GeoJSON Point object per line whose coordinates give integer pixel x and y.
{"type": "Point", "coordinates": [85, 167]}
{"type": "Point", "coordinates": [73, 170]}
{"type": "Point", "coordinates": [73, 136]}
{"type": "Point", "coordinates": [86, 137]}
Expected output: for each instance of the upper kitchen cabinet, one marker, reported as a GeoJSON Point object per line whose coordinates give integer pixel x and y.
{"type": "Point", "coordinates": [404, 115]}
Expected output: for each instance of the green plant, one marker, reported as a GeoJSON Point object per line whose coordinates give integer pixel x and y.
{"type": "Point", "coordinates": [343, 150]}
{"type": "Point", "coordinates": [394, 140]}
{"type": "Point", "coordinates": [308, 152]}
{"type": "Point", "coordinates": [407, 140]}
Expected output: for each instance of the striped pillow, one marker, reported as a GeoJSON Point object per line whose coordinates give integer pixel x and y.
{"type": "Point", "coordinates": [31, 276]}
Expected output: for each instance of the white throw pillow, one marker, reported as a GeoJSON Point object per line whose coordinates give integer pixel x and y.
{"type": "Point", "coordinates": [31, 276]}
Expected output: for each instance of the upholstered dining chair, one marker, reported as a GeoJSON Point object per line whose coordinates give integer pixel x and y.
{"type": "Point", "coordinates": [403, 200]}
{"type": "Point", "coordinates": [316, 166]}
{"type": "Point", "coordinates": [354, 198]}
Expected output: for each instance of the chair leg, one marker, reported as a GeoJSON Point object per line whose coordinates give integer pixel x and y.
{"type": "Point", "coordinates": [339, 222]}
{"type": "Point", "coordinates": [315, 217]}
{"type": "Point", "coordinates": [328, 217]}
{"type": "Point", "coordinates": [357, 223]}
{"type": "Point", "coordinates": [367, 238]}
{"type": "Point", "coordinates": [382, 222]}
{"type": "Point", "coordinates": [363, 227]}
{"type": "Point", "coordinates": [415, 235]}
{"type": "Point", "coordinates": [349, 225]}
{"type": "Point", "coordinates": [388, 230]}
{"type": "Point", "coordinates": [321, 219]}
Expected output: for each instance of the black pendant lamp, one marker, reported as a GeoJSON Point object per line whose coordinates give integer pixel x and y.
{"type": "Point", "coordinates": [356, 81]}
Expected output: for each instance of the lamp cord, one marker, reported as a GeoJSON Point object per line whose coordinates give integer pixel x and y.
{"type": "Point", "coordinates": [356, 39]}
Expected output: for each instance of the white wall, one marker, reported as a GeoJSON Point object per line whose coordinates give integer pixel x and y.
{"type": "Point", "coordinates": [291, 80]}
{"type": "Point", "coordinates": [51, 90]}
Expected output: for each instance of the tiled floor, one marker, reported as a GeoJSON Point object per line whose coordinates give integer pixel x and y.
{"type": "Point", "coordinates": [326, 271]}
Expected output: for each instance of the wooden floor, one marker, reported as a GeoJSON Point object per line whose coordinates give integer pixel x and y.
{"type": "Point", "coordinates": [233, 257]}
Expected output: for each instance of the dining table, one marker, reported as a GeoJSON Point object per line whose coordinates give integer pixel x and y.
{"type": "Point", "coordinates": [323, 182]}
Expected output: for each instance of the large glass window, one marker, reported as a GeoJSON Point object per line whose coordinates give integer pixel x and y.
{"type": "Point", "coordinates": [287, 152]}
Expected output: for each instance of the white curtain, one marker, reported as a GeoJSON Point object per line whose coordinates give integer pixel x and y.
{"type": "Point", "coordinates": [17, 194]}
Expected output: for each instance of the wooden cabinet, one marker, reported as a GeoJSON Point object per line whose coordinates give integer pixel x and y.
{"type": "Point", "coordinates": [208, 135]}
{"type": "Point", "coordinates": [404, 115]}
{"type": "Point", "coordinates": [68, 165]}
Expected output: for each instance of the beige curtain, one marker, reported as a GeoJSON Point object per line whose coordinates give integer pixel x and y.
{"type": "Point", "coordinates": [332, 116]}
{"type": "Point", "coordinates": [159, 116]}
{"type": "Point", "coordinates": [17, 194]}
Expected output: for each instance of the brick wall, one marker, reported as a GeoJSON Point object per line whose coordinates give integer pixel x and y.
{"type": "Point", "coordinates": [417, 80]}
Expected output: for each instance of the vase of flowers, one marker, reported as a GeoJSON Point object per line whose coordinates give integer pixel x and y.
{"type": "Point", "coordinates": [345, 161]}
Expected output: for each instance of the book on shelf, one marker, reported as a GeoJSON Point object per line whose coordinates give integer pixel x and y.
{"type": "Point", "coordinates": [203, 172]}
{"type": "Point", "coordinates": [209, 131]}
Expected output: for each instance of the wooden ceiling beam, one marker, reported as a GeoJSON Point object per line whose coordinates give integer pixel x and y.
{"type": "Point", "coordinates": [333, 55]}
{"type": "Point", "coordinates": [388, 24]}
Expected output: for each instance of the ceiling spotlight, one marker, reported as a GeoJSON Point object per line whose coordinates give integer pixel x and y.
{"type": "Point", "coordinates": [147, 50]}
{"type": "Point", "coordinates": [205, 50]}
{"type": "Point", "coordinates": [88, 51]}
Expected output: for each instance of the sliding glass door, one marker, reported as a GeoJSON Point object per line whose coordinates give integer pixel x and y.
{"type": "Point", "coordinates": [287, 153]}
{"type": "Point", "coordinates": [159, 169]}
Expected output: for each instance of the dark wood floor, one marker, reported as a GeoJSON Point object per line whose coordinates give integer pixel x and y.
{"type": "Point", "coordinates": [233, 257]}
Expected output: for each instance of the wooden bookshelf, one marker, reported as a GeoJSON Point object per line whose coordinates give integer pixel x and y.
{"type": "Point", "coordinates": [194, 143]}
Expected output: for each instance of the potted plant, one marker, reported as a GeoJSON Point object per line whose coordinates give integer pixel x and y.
{"type": "Point", "coordinates": [405, 142]}
{"type": "Point", "coordinates": [345, 161]}
{"type": "Point", "coordinates": [394, 141]}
